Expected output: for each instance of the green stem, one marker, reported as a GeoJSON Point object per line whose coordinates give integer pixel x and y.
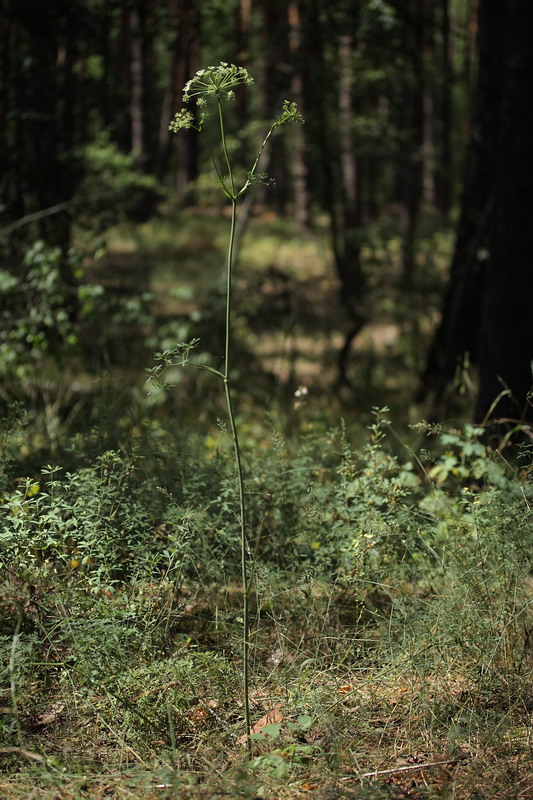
{"type": "Point", "coordinates": [238, 461]}
{"type": "Point", "coordinates": [219, 175]}
{"type": "Point", "coordinates": [224, 148]}
{"type": "Point", "coordinates": [244, 569]}
{"type": "Point", "coordinates": [251, 174]}
{"type": "Point", "coordinates": [12, 678]}
{"type": "Point", "coordinates": [229, 279]}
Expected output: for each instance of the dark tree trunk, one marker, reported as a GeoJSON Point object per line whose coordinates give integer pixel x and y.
{"type": "Point", "coordinates": [122, 90]}
{"type": "Point", "coordinates": [426, 78]}
{"type": "Point", "coordinates": [171, 95]}
{"type": "Point", "coordinates": [7, 83]}
{"type": "Point", "coordinates": [445, 172]}
{"type": "Point", "coordinates": [487, 317]}
{"type": "Point", "coordinates": [243, 55]}
{"type": "Point", "coordinates": [412, 160]}
{"type": "Point", "coordinates": [297, 139]}
{"type": "Point", "coordinates": [142, 108]}
{"type": "Point", "coordinates": [185, 66]}
{"type": "Point", "coordinates": [105, 22]}
{"type": "Point", "coordinates": [457, 336]}
{"type": "Point", "coordinates": [506, 340]}
{"type": "Point", "coordinates": [330, 129]}
{"type": "Point", "coordinates": [274, 85]}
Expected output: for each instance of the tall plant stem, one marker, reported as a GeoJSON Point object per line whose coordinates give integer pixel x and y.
{"type": "Point", "coordinates": [229, 287]}
{"type": "Point", "coordinates": [225, 150]}
{"type": "Point", "coordinates": [219, 82]}
{"type": "Point", "coordinates": [13, 680]}
{"type": "Point", "coordinates": [244, 568]}
{"type": "Point", "coordinates": [240, 479]}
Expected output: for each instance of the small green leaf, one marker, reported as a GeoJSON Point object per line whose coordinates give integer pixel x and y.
{"type": "Point", "coordinates": [272, 730]}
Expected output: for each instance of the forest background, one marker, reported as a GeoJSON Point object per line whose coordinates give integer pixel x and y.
{"type": "Point", "coordinates": [382, 276]}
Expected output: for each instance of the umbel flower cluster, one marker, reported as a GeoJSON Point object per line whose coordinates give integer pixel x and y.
{"type": "Point", "coordinates": [220, 82]}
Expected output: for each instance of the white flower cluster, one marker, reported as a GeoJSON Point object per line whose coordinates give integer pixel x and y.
{"type": "Point", "coordinates": [216, 81]}
{"type": "Point", "coordinates": [182, 120]}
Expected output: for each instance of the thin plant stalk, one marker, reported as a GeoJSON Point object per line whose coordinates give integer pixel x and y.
{"type": "Point", "coordinates": [238, 460]}
{"type": "Point", "coordinates": [12, 679]}
{"type": "Point", "coordinates": [220, 82]}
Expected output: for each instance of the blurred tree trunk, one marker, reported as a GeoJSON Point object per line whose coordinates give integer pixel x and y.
{"type": "Point", "coordinates": [142, 111]}
{"type": "Point", "coordinates": [506, 333]}
{"type": "Point", "coordinates": [122, 90]}
{"type": "Point", "coordinates": [8, 82]}
{"type": "Point", "coordinates": [172, 92]}
{"type": "Point", "coordinates": [470, 35]}
{"type": "Point", "coordinates": [184, 67]}
{"type": "Point", "coordinates": [426, 77]}
{"type": "Point", "coordinates": [274, 86]}
{"type": "Point", "coordinates": [348, 223]}
{"type": "Point", "coordinates": [445, 171]}
{"type": "Point", "coordinates": [412, 161]}
{"type": "Point", "coordinates": [105, 31]}
{"type": "Point", "coordinates": [6, 24]}
{"type": "Point", "coordinates": [243, 55]}
{"type": "Point", "coordinates": [487, 316]}
{"type": "Point", "coordinates": [297, 138]}
{"type": "Point", "coordinates": [456, 339]}
{"type": "Point", "coordinates": [330, 119]}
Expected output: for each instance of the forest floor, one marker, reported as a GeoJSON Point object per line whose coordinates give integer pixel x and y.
{"type": "Point", "coordinates": [327, 727]}
{"type": "Point", "coordinates": [289, 321]}
{"type": "Point", "coordinates": [391, 651]}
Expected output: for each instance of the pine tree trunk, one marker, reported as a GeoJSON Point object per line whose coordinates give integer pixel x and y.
{"type": "Point", "coordinates": [506, 335]}
{"type": "Point", "coordinates": [297, 140]}
{"type": "Point", "coordinates": [445, 172]}
{"type": "Point", "coordinates": [457, 337]}
{"type": "Point", "coordinates": [185, 66]}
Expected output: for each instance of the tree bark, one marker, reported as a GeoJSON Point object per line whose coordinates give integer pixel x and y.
{"type": "Point", "coordinates": [487, 315]}
{"type": "Point", "coordinates": [445, 171]}
{"type": "Point", "coordinates": [185, 66]}
{"type": "Point", "coordinates": [506, 336]}
{"type": "Point", "coordinates": [457, 336]}
{"type": "Point", "coordinates": [297, 138]}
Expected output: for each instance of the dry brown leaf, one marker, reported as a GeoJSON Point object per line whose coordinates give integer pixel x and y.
{"type": "Point", "coordinates": [198, 713]}
{"type": "Point", "coordinates": [49, 716]}
{"type": "Point", "coordinates": [271, 717]}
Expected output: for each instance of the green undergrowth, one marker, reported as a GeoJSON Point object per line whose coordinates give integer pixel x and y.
{"type": "Point", "coordinates": [391, 616]}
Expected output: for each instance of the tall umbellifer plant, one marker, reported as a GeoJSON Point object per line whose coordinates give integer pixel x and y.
{"type": "Point", "coordinates": [215, 85]}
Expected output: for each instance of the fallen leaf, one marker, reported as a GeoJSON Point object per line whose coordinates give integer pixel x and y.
{"type": "Point", "coordinates": [198, 713]}
{"type": "Point", "coordinates": [272, 717]}
{"type": "Point", "coordinates": [49, 716]}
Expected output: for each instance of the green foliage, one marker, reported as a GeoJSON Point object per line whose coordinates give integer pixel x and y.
{"type": "Point", "coordinates": [35, 315]}
{"type": "Point", "coordinates": [176, 687]}
{"type": "Point", "coordinates": [52, 313]}
{"type": "Point", "coordinates": [113, 188]}
{"type": "Point", "coordinates": [125, 576]}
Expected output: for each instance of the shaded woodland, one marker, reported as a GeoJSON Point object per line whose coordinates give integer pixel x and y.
{"type": "Point", "coordinates": [417, 114]}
